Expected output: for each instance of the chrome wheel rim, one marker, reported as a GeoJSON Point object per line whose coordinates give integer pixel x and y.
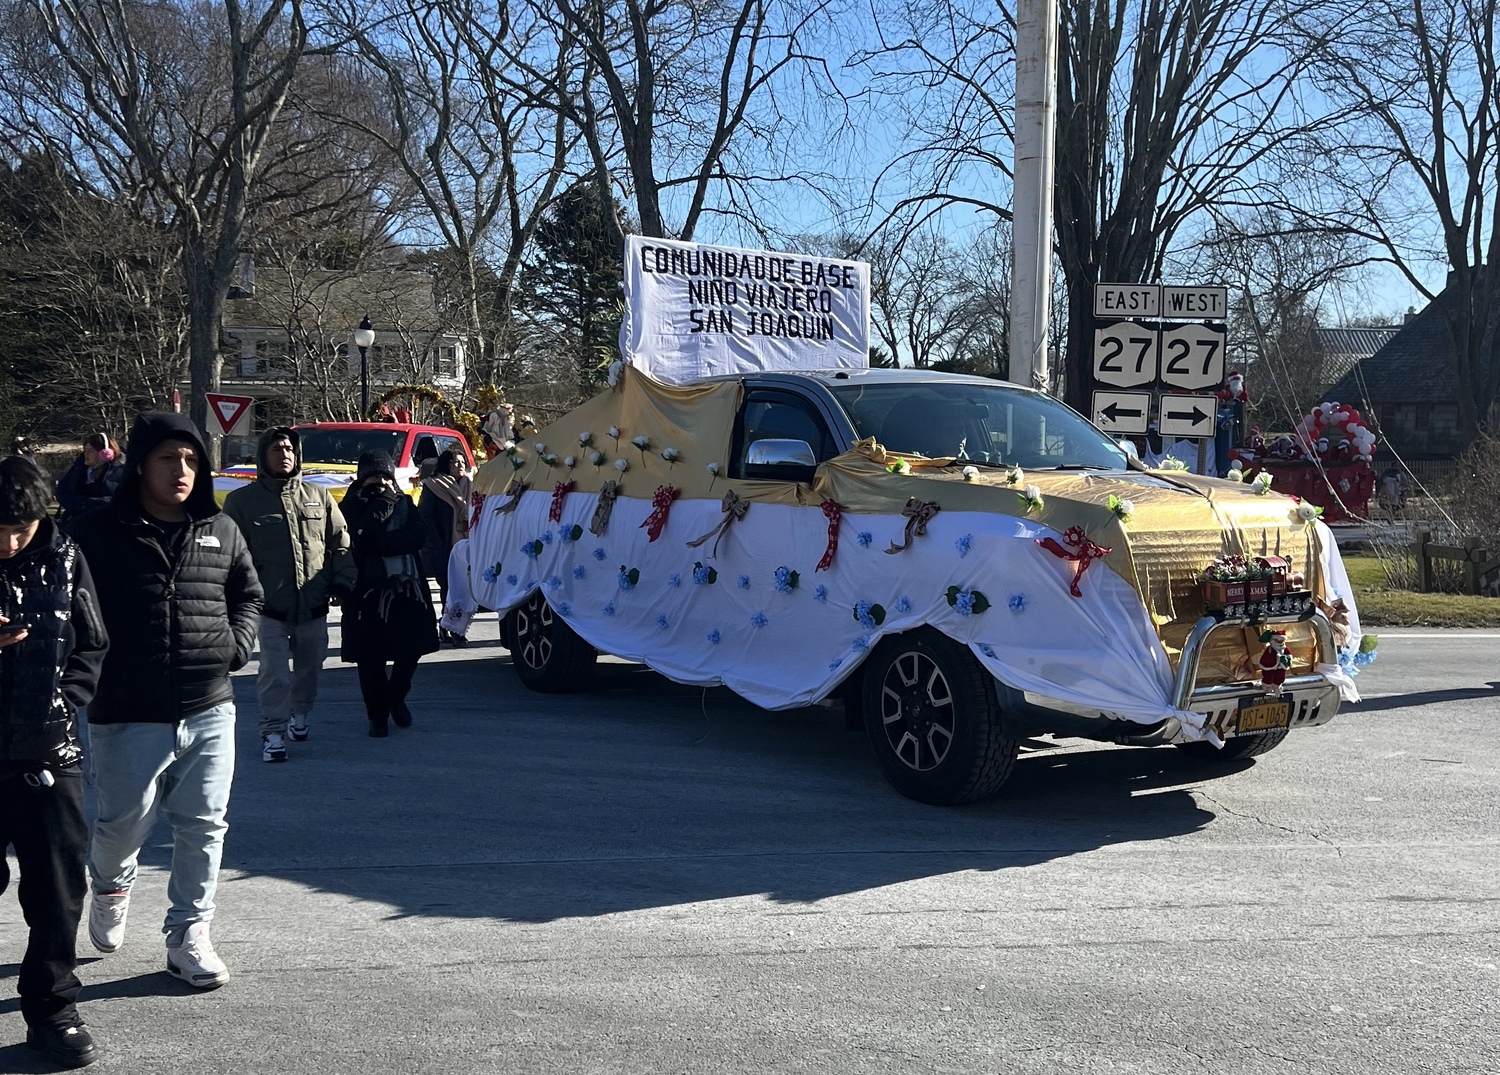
{"type": "Point", "coordinates": [917, 711]}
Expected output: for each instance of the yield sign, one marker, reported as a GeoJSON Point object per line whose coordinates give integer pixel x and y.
{"type": "Point", "coordinates": [228, 412]}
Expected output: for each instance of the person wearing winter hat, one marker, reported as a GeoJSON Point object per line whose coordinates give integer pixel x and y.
{"type": "Point", "coordinates": [92, 479]}
{"type": "Point", "coordinates": [300, 546]}
{"type": "Point", "coordinates": [388, 619]}
{"type": "Point", "coordinates": [181, 601]}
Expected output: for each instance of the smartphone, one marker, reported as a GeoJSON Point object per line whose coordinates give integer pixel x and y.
{"type": "Point", "coordinates": [10, 630]}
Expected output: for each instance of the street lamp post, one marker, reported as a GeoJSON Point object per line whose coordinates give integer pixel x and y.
{"type": "Point", "coordinates": [364, 336]}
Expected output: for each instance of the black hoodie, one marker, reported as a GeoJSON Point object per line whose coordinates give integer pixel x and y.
{"type": "Point", "coordinates": [181, 612]}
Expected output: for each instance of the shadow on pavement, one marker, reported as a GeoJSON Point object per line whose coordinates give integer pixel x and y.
{"type": "Point", "coordinates": [641, 793]}
{"type": "Point", "coordinates": [1405, 701]}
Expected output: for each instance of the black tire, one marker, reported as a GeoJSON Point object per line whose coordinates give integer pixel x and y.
{"type": "Point", "coordinates": [545, 652]}
{"type": "Point", "coordinates": [1238, 748]}
{"type": "Point", "coordinates": [934, 721]}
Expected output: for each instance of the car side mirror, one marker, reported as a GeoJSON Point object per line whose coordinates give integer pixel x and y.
{"type": "Point", "coordinates": [777, 459]}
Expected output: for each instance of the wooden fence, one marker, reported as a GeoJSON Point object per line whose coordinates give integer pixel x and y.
{"type": "Point", "coordinates": [1477, 565]}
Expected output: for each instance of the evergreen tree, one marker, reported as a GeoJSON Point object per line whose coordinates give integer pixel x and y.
{"type": "Point", "coordinates": [572, 286]}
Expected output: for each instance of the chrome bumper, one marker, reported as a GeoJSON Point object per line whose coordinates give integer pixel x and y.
{"type": "Point", "coordinates": [1314, 699]}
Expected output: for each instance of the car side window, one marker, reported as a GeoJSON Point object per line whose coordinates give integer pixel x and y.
{"type": "Point", "coordinates": [424, 449]}
{"type": "Point", "coordinates": [446, 443]}
{"type": "Point", "coordinates": [772, 415]}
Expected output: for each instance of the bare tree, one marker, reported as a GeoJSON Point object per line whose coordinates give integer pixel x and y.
{"type": "Point", "coordinates": [482, 152]}
{"type": "Point", "coordinates": [168, 106]}
{"type": "Point", "coordinates": [1420, 166]}
{"type": "Point", "coordinates": [1167, 110]}
{"type": "Point", "coordinates": [692, 97]}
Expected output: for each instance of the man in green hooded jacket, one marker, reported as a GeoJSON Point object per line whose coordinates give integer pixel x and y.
{"type": "Point", "coordinates": [300, 546]}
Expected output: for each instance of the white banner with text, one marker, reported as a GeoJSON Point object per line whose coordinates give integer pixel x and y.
{"type": "Point", "coordinates": [695, 311]}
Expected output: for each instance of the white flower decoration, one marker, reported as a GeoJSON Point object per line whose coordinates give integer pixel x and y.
{"type": "Point", "coordinates": [713, 468]}
{"type": "Point", "coordinates": [597, 458]}
{"type": "Point", "coordinates": [970, 473]}
{"type": "Point", "coordinates": [569, 462]}
{"type": "Point", "coordinates": [614, 431]}
{"type": "Point", "coordinates": [1015, 476]}
{"type": "Point", "coordinates": [642, 442]}
{"type": "Point", "coordinates": [622, 465]}
{"type": "Point", "coordinates": [669, 454]}
{"type": "Point", "coordinates": [1307, 512]}
{"type": "Point", "coordinates": [1262, 483]}
{"type": "Point", "coordinates": [585, 439]}
{"type": "Point", "coordinates": [615, 369]}
{"type": "Point", "coordinates": [1127, 507]}
{"type": "Point", "coordinates": [541, 449]}
{"type": "Point", "coordinates": [1235, 474]}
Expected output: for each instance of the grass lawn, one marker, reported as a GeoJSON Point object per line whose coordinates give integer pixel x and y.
{"type": "Point", "coordinates": [1380, 606]}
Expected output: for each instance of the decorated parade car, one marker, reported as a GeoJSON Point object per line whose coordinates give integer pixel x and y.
{"type": "Point", "coordinates": [966, 562]}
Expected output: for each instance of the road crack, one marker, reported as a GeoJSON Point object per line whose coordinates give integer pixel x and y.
{"type": "Point", "coordinates": [1309, 834]}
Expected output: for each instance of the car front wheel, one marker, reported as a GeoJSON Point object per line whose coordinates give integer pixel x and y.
{"type": "Point", "coordinates": [934, 721]}
{"type": "Point", "coordinates": [547, 654]}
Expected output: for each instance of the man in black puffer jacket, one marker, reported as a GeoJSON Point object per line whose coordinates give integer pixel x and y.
{"type": "Point", "coordinates": [181, 602]}
{"type": "Point", "coordinates": [52, 644]}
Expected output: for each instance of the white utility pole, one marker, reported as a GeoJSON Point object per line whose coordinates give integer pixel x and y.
{"type": "Point", "coordinates": [1031, 228]}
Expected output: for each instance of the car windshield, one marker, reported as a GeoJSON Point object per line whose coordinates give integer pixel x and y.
{"type": "Point", "coordinates": [979, 423]}
{"type": "Point", "coordinates": [346, 445]}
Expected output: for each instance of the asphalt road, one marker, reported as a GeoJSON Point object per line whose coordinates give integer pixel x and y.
{"type": "Point", "coordinates": [656, 879]}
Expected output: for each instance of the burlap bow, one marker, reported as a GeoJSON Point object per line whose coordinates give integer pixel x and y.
{"type": "Point", "coordinates": [515, 490]}
{"type": "Point", "coordinates": [734, 510]}
{"type": "Point", "coordinates": [918, 514]}
{"type": "Point", "coordinates": [607, 494]}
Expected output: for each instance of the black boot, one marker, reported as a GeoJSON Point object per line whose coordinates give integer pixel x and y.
{"type": "Point", "coordinates": [66, 1046]}
{"type": "Point", "coordinates": [378, 728]}
{"type": "Point", "coordinates": [400, 714]}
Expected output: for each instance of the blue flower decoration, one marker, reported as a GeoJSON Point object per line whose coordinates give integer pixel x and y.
{"type": "Point", "coordinates": [1017, 602]}
{"type": "Point", "coordinates": [820, 595]}
{"type": "Point", "coordinates": [554, 583]}
{"type": "Point", "coordinates": [861, 644]}
{"type": "Point", "coordinates": [599, 555]}
{"type": "Point", "coordinates": [714, 637]}
{"type": "Point", "coordinates": [903, 603]}
{"type": "Point", "coordinates": [864, 539]}
{"type": "Point", "coordinates": [546, 537]}
{"type": "Point", "coordinates": [490, 574]}
{"type": "Point", "coordinates": [626, 583]}
{"type": "Point", "coordinates": [532, 549]}
{"type": "Point", "coordinates": [661, 622]}
{"type": "Point", "coordinates": [701, 575]}
{"type": "Point", "coordinates": [1363, 660]}
{"type": "Point", "coordinates": [580, 571]}
{"type": "Point", "coordinates": [674, 579]}
{"type": "Point", "coordinates": [864, 616]}
{"type": "Point", "coordinates": [758, 620]}
{"type": "Point", "coordinates": [833, 665]}
{"type": "Point", "coordinates": [783, 580]}
{"type": "Point", "coordinates": [744, 582]}
{"type": "Point", "coordinates": [963, 544]}
{"type": "Point", "coordinates": [609, 609]}
{"type": "Point", "coordinates": [964, 603]}
{"type": "Point", "coordinates": [564, 609]}
{"type": "Point", "coordinates": [987, 649]}
{"type": "Point", "coordinates": [510, 580]}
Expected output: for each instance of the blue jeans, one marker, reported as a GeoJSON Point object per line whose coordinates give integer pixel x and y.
{"type": "Point", "coordinates": [181, 772]}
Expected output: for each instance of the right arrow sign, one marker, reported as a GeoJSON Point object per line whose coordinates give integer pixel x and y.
{"type": "Point", "coordinates": [1188, 416]}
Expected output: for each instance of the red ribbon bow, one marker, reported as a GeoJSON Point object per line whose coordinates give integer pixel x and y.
{"type": "Point", "coordinates": [661, 503]}
{"type": "Point", "coordinates": [476, 501]}
{"type": "Point", "coordinates": [560, 493]}
{"type": "Point", "coordinates": [1080, 550]}
{"type": "Point", "coordinates": [835, 512]}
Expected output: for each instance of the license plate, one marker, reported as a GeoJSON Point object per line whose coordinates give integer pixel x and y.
{"type": "Point", "coordinates": [1257, 715]}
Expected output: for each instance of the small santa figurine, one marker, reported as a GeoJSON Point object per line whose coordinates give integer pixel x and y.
{"type": "Point", "coordinates": [1274, 661]}
{"type": "Point", "coordinates": [1233, 390]}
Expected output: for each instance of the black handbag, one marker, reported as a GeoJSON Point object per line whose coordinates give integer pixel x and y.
{"type": "Point", "coordinates": [400, 612]}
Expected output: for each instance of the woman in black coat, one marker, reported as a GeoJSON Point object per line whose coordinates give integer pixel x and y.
{"type": "Point", "coordinates": [388, 618]}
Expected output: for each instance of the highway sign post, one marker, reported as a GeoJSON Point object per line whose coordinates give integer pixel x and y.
{"type": "Point", "coordinates": [1122, 412]}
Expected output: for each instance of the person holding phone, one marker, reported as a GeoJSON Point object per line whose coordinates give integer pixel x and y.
{"type": "Point", "coordinates": [52, 647]}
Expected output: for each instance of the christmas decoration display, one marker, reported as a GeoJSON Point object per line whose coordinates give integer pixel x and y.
{"type": "Point", "coordinates": [918, 513]}
{"type": "Point", "coordinates": [1335, 433]}
{"type": "Point", "coordinates": [1254, 587]}
{"type": "Point", "coordinates": [1233, 390]}
{"type": "Point", "coordinates": [1274, 661]}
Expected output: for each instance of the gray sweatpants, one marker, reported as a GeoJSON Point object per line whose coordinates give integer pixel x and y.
{"type": "Point", "coordinates": [291, 656]}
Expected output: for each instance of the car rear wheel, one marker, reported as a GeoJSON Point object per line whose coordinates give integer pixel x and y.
{"type": "Point", "coordinates": [1238, 748]}
{"type": "Point", "coordinates": [545, 652]}
{"type": "Point", "coordinates": [934, 721]}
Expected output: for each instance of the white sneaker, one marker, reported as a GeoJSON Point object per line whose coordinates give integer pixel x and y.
{"type": "Point", "coordinates": [272, 748]}
{"type": "Point", "coordinates": [194, 960]}
{"type": "Point", "coordinates": [107, 914]}
{"type": "Point", "coordinates": [296, 731]}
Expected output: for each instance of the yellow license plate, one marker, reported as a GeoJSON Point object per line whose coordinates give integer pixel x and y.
{"type": "Point", "coordinates": [1256, 716]}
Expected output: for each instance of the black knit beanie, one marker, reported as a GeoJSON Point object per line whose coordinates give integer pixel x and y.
{"type": "Point", "coordinates": [375, 463]}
